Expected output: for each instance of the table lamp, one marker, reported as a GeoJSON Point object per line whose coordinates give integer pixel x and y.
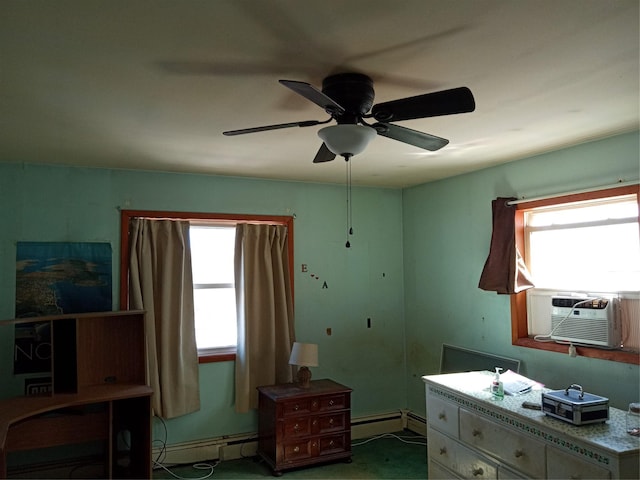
{"type": "Point", "coordinates": [304, 355]}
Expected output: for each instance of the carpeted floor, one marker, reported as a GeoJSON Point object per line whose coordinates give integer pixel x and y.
{"type": "Point", "coordinates": [394, 456]}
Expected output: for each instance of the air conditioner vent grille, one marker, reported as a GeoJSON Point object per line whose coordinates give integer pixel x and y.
{"type": "Point", "coordinates": [592, 323]}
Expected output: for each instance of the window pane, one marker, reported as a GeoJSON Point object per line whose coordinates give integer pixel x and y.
{"type": "Point", "coordinates": [601, 259]}
{"type": "Point", "coordinates": [212, 253]}
{"type": "Point", "coordinates": [215, 317]}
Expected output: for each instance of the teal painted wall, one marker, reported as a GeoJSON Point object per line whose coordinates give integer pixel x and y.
{"type": "Point", "coordinates": [413, 268]}
{"type": "Point", "coordinates": [447, 231]}
{"type": "Point", "coordinates": [52, 203]}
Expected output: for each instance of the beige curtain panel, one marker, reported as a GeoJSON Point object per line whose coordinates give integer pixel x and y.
{"type": "Point", "coordinates": [161, 283]}
{"type": "Point", "coordinates": [265, 311]}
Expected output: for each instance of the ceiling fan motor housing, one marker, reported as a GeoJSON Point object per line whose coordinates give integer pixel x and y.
{"type": "Point", "coordinates": [352, 91]}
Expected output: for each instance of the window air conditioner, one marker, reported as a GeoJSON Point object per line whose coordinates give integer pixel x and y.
{"type": "Point", "coordinates": [586, 320]}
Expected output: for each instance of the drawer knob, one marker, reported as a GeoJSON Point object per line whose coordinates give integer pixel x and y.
{"type": "Point", "coordinates": [315, 403]}
{"type": "Point", "coordinates": [331, 421]}
{"type": "Point", "coordinates": [519, 453]}
{"type": "Point", "coordinates": [476, 433]}
{"type": "Point", "coordinates": [296, 407]}
{"type": "Point", "coordinates": [331, 443]}
{"type": "Point", "coordinates": [477, 471]}
{"type": "Point", "coordinates": [315, 422]}
{"type": "Point", "coordinates": [443, 450]}
{"type": "Point", "coordinates": [331, 402]}
{"type": "Point", "coordinates": [296, 427]}
{"type": "Point", "coordinates": [442, 416]}
{"type": "Point", "coordinates": [296, 449]}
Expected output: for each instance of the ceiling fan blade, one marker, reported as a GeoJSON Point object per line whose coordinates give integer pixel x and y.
{"type": "Point", "coordinates": [445, 102]}
{"type": "Point", "coordinates": [324, 155]}
{"type": "Point", "coordinates": [316, 96]}
{"type": "Point", "coordinates": [412, 137]}
{"type": "Point", "coordinates": [242, 131]}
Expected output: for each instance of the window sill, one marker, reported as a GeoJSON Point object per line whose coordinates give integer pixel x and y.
{"type": "Point", "coordinates": [614, 355]}
{"type": "Point", "coordinates": [212, 355]}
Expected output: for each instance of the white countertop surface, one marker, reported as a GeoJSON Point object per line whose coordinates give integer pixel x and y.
{"type": "Point", "coordinates": [610, 435]}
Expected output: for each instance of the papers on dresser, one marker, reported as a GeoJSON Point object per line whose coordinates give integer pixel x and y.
{"type": "Point", "coordinates": [516, 384]}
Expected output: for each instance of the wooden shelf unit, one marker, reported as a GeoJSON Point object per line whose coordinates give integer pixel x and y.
{"type": "Point", "coordinates": [99, 392]}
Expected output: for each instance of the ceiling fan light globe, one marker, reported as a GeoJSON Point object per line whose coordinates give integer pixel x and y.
{"type": "Point", "coordinates": [347, 140]}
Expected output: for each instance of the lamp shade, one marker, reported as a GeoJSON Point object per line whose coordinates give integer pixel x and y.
{"type": "Point", "coordinates": [347, 139]}
{"type": "Point", "coordinates": [304, 355]}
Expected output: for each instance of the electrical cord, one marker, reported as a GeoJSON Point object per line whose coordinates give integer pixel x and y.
{"type": "Point", "coordinates": [158, 461]}
{"type": "Point", "coordinates": [392, 435]}
{"type": "Point", "coordinates": [547, 338]}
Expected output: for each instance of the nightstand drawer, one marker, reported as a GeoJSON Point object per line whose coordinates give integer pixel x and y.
{"type": "Point", "coordinates": [297, 407]}
{"type": "Point", "coordinates": [333, 402]}
{"type": "Point", "coordinates": [294, 451]}
{"type": "Point", "coordinates": [329, 423]}
{"type": "Point", "coordinates": [334, 444]}
{"type": "Point", "coordinates": [298, 426]}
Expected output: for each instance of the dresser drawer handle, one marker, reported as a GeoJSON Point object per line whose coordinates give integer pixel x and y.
{"type": "Point", "coordinates": [315, 422]}
{"type": "Point", "coordinates": [296, 427]}
{"type": "Point", "coordinates": [331, 443]}
{"type": "Point", "coordinates": [331, 402]}
{"type": "Point", "coordinates": [443, 450]}
{"type": "Point", "coordinates": [442, 416]}
{"type": "Point", "coordinates": [477, 471]}
{"type": "Point", "coordinates": [331, 421]}
{"type": "Point", "coordinates": [519, 453]}
{"type": "Point", "coordinates": [296, 407]}
{"type": "Point", "coordinates": [296, 449]}
{"type": "Point", "coordinates": [476, 433]}
{"type": "Point", "coordinates": [315, 403]}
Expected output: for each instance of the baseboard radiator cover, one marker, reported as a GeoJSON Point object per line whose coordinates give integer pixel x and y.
{"type": "Point", "coordinates": [416, 424]}
{"type": "Point", "coordinates": [245, 445]}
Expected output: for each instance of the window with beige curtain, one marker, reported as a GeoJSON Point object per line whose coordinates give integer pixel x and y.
{"type": "Point", "coordinates": [278, 312]}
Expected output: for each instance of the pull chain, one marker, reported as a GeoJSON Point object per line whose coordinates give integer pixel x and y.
{"type": "Point", "coordinates": [349, 213]}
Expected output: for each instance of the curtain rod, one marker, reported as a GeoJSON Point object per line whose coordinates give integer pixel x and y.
{"type": "Point", "coordinates": [575, 192]}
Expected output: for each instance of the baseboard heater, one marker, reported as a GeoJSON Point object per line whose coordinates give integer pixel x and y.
{"type": "Point", "coordinates": [245, 445]}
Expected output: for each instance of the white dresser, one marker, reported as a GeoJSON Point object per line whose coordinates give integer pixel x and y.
{"type": "Point", "coordinates": [469, 435]}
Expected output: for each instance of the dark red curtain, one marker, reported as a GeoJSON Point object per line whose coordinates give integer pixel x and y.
{"type": "Point", "coordinates": [504, 271]}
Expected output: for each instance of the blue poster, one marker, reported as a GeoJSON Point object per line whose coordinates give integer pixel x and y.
{"type": "Point", "coordinates": [54, 278]}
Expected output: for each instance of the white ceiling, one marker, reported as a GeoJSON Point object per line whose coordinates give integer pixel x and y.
{"type": "Point", "coordinates": [141, 84]}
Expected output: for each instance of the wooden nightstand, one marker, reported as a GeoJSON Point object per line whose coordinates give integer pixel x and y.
{"type": "Point", "coordinates": [304, 426]}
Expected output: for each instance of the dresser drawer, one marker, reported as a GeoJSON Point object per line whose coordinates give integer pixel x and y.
{"type": "Point", "coordinates": [442, 415]}
{"type": "Point", "coordinates": [299, 406]}
{"type": "Point", "coordinates": [297, 426]}
{"type": "Point", "coordinates": [302, 449]}
{"type": "Point", "coordinates": [329, 423]}
{"type": "Point", "coordinates": [514, 448]}
{"type": "Point", "coordinates": [334, 443]}
{"type": "Point", "coordinates": [333, 402]}
{"type": "Point", "coordinates": [438, 472]}
{"type": "Point", "coordinates": [452, 455]}
{"type": "Point", "coordinates": [565, 465]}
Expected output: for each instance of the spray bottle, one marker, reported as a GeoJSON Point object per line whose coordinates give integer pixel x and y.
{"type": "Point", "coordinates": [497, 388]}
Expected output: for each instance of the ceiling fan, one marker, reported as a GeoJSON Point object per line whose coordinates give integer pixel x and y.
{"type": "Point", "coordinates": [348, 99]}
